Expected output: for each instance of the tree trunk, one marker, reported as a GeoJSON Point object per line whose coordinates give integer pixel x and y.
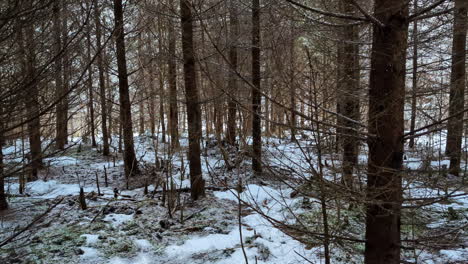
{"type": "Point", "coordinates": [161, 107]}
{"type": "Point", "coordinates": [172, 71]}
{"type": "Point", "coordinates": [350, 95]}
{"type": "Point", "coordinates": [102, 85]}
{"type": "Point", "coordinates": [130, 161]}
{"type": "Point", "coordinates": [3, 200]}
{"type": "Point", "coordinates": [415, 78]}
{"type": "Point", "coordinates": [192, 101]}
{"type": "Point", "coordinates": [31, 98]}
{"type": "Point", "coordinates": [292, 86]}
{"type": "Point", "coordinates": [141, 111]}
{"type": "Point", "coordinates": [151, 91]}
{"type": "Point", "coordinates": [66, 74]}
{"type": "Point", "coordinates": [386, 122]}
{"type": "Point", "coordinates": [90, 90]}
{"type": "Point", "coordinates": [61, 134]}
{"type": "Point", "coordinates": [256, 92]}
{"type": "Point", "coordinates": [457, 87]}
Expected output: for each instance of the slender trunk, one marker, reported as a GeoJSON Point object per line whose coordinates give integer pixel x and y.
{"type": "Point", "coordinates": [60, 137]}
{"type": "Point", "coordinates": [141, 112]}
{"type": "Point", "coordinates": [232, 84]}
{"type": "Point", "coordinates": [172, 70]}
{"type": "Point", "coordinates": [339, 92]}
{"type": "Point", "coordinates": [102, 85]}
{"type": "Point", "coordinates": [386, 122]}
{"type": "Point", "coordinates": [161, 87]}
{"type": "Point", "coordinates": [351, 95]}
{"type": "Point", "coordinates": [192, 101]}
{"type": "Point", "coordinates": [256, 93]}
{"type": "Point", "coordinates": [66, 75]}
{"type": "Point", "coordinates": [457, 87]}
{"type": "Point", "coordinates": [90, 90]}
{"type": "Point", "coordinates": [130, 161]}
{"type": "Point", "coordinates": [161, 107]}
{"type": "Point", "coordinates": [151, 92]}
{"type": "Point", "coordinates": [292, 86]}
{"type": "Point", "coordinates": [415, 78]}
{"type": "Point", "coordinates": [3, 200]}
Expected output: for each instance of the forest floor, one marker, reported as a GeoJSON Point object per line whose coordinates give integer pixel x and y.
{"type": "Point", "coordinates": [46, 225]}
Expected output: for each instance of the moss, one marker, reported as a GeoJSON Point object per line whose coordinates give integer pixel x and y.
{"type": "Point", "coordinates": [118, 246]}
{"type": "Point", "coordinates": [452, 214]}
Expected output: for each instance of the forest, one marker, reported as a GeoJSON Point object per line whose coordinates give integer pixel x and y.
{"type": "Point", "coordinates": [233, 131]}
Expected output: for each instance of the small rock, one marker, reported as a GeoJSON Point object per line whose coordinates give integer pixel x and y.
{"type": "Point", "coordinates": [78, 251]}
{"type": "Point", "coordinates": [165, 224]}
{"type": "Point", "coordinates": [108, 210]}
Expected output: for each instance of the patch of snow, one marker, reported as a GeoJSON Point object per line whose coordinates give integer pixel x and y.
{"type": "Point", "coordinates": [455, 254]}
{"type": "Point", "coordinates": [143, 244]}
{"type": "Point", "coordinates": [141, 258]}
{"type": "Point", "coordinates": [89, 253]}
{"type": "Point", "coordinates": [118, 219]}
{"type": "Point", "coordinates": [62, 161]}
{"type": "Point", "coordinates": [91, 239]}
{"type": "Point", "coordinates": [206, 243]}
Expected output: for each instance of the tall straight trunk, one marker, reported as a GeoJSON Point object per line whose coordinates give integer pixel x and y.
{"type": "Point", "coordinates": [141, 86]}
{"type": "Point", "coordinates": [350, 98]}
{"type": "Point", "coordinates": [61, 133]}
{"type": "Point", "coordinates": [232, 83]}
{"type": "Point", "coordinates": [256, 93]}
{"type": "Point", "coordinates": [141, 112]}
{"type": "Point", "coordinates": [161, 107]}
{"type": "Point", "coordinates": [414, 88]}
{"type": "Point", "coordinates": [130, 161]}
{"type": "Point", "coordinates": [172, 71]}
{"type": "Point", "coordinates": [151, 91]}
{"type": "Point", "coordinates": [31, 95]}
{"type": "Point", "coordinates": [102, 85]}
{"type": "Point", "coordinates": [457, 87]}
{"type": "Point", "coordinates": [90, 90]}
{"type": "Point", "coordinates": [66, 72]}
{"type": "Point", "coordinates": [292, 89]}
{"type": "Point", "coordinates": [112, 125]}
{"type": "Point", "coordinates": [192, 101]}
{"type": "Point", "coordinates": [161, 87]}
{"type": "Point", "coordinates": [339, 93]}
{"type": "Point", "coordinates": [386, 124]}
{"type": "Point", "coordinates": [3, 200]}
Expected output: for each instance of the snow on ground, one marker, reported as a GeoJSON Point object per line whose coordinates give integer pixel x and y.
{"type": "Point", "coordinates": [117, 219]}
{"type": "Point", "coordinates": [128, 230]}
{"type": "Point", "coordinates": [90, 239]}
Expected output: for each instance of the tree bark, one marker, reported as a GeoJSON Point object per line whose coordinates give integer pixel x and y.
{"type": "Point", "coordinates": [192, 101]}
{"type": "Point", "coordinates": [172, 71]}
{"type": "Point", "coordinates": [31, 99]}
{"type": "Point", "coordinates": [350, 96]}
{"type": "Point", "coordinates": [457, 87]}
{"type": "Point", "coordinates": [130, 161]}
{"type": "Point", "coordinates": [415, 78]}
{"type": "Point", "coordinates": [3, 200]}
{"type": "Point", "coordinates": [151, 90]}
{"type": "Point", "coordinates": [102, 85]}
{"type": "Point", "coordinates": [292, 85]}
{"type": "Point", "coordinates": [256, 92]}
{"type": "Point", "coordinates": [61, 133]}
{"type": "Point", "coordinates": [386, 122]}
{"type": "Point", "coordinates": [90, 91]}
